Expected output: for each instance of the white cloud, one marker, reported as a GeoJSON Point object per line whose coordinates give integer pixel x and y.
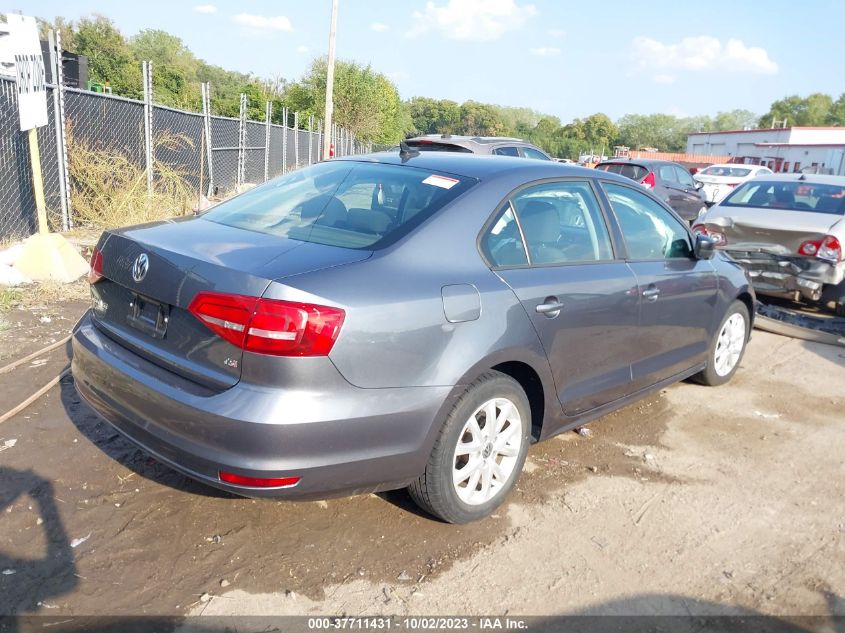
{"type": "Point", "coordinates": [378, 27]}
{"type": "Point", "coordinates": [277, 22]}
{"type": "Point", "coordinates": [471, 20]}
{"type": "Point", "coordinates": [302, 49]}
{"type": "Point", "coordinates": [205, 8]}
{"type": "Point", "coordinates": [545, 51]}
{"type": "Point", "coordinates": [701, 53]}
{"type": "Point", "coordinates": [558, 33]}
{"type": "Point", "coordinates": [663, 78]}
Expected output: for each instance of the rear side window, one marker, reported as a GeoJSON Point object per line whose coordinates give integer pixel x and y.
{"type": "Point", "coordinates": [342, 203]}
{"type": "Point", "coordinates": [506, 151]}
{"type": "Point", "coordinates": [530, 152]}
{"type": "Point", "coordinates": [432, 146]}
{"type": "Point", "coordinates": [650, 231]}
{"type": "Point", "coordinates": [502, 245]}
{"type": "Point", "coordinates": [634, 172]}
{"type": "Point", "coordinates": [561, 223]}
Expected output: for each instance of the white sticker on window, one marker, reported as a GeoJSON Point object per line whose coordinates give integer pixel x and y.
{"type": "Point", "coordinates": [441, 181]}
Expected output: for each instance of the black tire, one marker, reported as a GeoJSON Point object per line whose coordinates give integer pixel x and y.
{"type": "Point", "coordinates": [709, 376]}
{"type": "Point", "coordinates": [434, 491]}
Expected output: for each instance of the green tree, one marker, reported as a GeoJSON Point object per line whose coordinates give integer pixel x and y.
{"type": "Point", "coordinates": [434, 116]}
{"type": "Point", "coordinates": [836, 115]}
{"type": "Point", "coordinates": [734, 120]}
{"type": "Point", "coordinates": [812, 110]}
{"type": "Point", "coordinates": [365, 101]}
{"type": "Point", "coordinates": [599, 131]}
{"type": "Point", "coordinates": [480, 119]}
{"type": "Point", "coordinates": [64, 25]}
{"type": "Point", "coordinates": [110, 58]}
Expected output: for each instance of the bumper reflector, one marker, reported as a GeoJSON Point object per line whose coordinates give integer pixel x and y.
{"type": "Point", "coordinates": [258, 482]}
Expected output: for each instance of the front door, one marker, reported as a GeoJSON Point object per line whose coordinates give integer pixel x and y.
{"type": "Point", "coordinates": [678, 291]}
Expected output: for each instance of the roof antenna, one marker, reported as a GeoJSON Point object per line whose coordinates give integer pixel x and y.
{"type": "Point", "coordinates": [406, 151]}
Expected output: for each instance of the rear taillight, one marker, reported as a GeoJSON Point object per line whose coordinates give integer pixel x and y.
{"type": "Point", "coordinates": [95, 270]}
{"type": "Point", "coordinates": [828, 248]}
{"type": "Point", "coordinates": [269, 326]}
{"type": "Point", "coordinates": [716, 236]}
{"type": "Point", "coordinates": [732, 184]}
{"type": "Point", "coordinates": [648, 182]}
{"type": "Point", "coordinates": [258, 482]}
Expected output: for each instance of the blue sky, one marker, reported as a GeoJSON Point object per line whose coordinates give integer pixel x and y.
{"type": "Point", "coordinates": [562, 57]}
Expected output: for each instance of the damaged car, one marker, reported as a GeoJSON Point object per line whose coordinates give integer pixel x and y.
{"type": "Point", "coordinates": [787, 231]}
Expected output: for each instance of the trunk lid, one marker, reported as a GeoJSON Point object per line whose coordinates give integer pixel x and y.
{"type": "Point", "coordinates": [149, 313]}
{"type": "Point", "coordinates": [779, 231]}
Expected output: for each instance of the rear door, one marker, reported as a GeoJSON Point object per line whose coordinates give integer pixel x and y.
{"type": "Point", "coordinates": [670, 189]}
{"type": "Point", "coordinates": [693, 198]}
{"type": "Point", "coordinates": [678, 290]}
{"type": "Point", "coordinates": [582, 302]}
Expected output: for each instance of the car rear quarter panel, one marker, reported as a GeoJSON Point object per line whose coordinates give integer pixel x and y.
{"type": "Point", "coordinates": [396, 331]}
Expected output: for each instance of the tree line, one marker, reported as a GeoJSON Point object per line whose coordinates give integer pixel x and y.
{"type": "Point", "coordinates": [368, 103]}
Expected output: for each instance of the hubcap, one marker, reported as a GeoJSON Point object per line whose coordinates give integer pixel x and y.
{"type": "Point", "coordinates": [487, 451]}
{"type": "Point", "coordinates": [729, 344]}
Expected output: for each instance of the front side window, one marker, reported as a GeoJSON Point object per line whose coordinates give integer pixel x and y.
{"type": "Point", "coordinates": [683, 177]}
{"type": "Point", "coordinates": [342, 203]}
{"type": "Point", "coordinates": [561, 223]}
{"type": "Point", "coordinates": [650, 231]}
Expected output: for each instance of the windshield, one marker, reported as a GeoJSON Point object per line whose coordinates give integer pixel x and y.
{"type": "Point", "coordinates": [722, 170]}
{"type": "Point", "coordinates": [342, 203]}
{"type": "Point", "coordinates": [796, 195]}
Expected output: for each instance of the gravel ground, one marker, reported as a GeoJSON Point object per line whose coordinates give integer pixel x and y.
{"type": "Point", "coordinates": [695, 500]}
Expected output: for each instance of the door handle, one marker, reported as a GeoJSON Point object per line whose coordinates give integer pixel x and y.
{"type": "Point", "coordinates": [651, 293]}
{"type": "Point", "coordinates": [551, 307]}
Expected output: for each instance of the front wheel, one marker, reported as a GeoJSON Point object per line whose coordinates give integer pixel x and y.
{"type": "Point", "coordinates": [479, 453]}
{"type": "Point", "coordinates": [727, 347]}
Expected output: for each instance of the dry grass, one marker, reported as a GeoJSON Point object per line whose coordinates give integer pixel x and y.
{"type": "Point", "coordinates": [110, 190]}
{"type": "Point", "coordinates": [43, 293]}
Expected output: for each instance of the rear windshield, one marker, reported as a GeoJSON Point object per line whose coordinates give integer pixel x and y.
{"type": "Point", "coordinates": [732, 172]}
{"type": "Point", "coordinates": [796, 195]}
{"type": "Point", "coordinates": [342, 203]}
{"type": "Point", "coordinates": [634, 172]}
{"type": "Point", "coordinates": [431, 146]}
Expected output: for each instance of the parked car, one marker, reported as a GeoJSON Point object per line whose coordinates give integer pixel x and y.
{"type": "Point", "coordinates": [667, 180]}
{"type": "Point", "coordinates": [788, 231]}
{"type": "Point", "coordinates": [498, 145]}
{"type": "Point", "coordinates": [313, 337]}
{"type": "Point", "coordinates": [719, 180]}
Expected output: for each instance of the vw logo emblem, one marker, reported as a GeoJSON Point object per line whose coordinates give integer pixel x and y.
{"type": "Point", "coordinates": [140, 267]}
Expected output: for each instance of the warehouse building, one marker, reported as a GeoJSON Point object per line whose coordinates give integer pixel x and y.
{"type": "Point", "coordinates": [788, 149]}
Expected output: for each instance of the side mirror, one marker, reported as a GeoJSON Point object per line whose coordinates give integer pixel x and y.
{"type": "Point", "coordinates": [705, 247]}
{"type": "Point", "coordinates": [698, 184]}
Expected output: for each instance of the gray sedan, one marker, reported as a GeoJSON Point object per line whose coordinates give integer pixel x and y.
{"type": "Point", "coordinates": [400, 320]}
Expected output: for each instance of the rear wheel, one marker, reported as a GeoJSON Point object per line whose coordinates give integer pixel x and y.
{"type": "Point", "coordinates": [727, 347]}
{"type": "Point", "coordinates": [479, 453]}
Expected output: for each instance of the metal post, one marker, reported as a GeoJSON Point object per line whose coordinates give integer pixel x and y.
{"type": "Point", "coordinates": [55, 40]}
{"type": "Point", "coordinates": [296, 140]}
{"type": "Point", "coordinates": [330, 74]}
{"type": "Point", "coordinates": [242, 142]}
{"type": "Point", "coordinates": [284, 140]}
{"type": "Point", "coordinates": [206, 112]}
{"type": "Point", "coordinates": [267, 115]}
{"type": "Point", "coordinates": [146, 68]}
{"type": "Point", "coordinates": [320, 141]}
{"type": "Point", "coordinates": [310, 140]}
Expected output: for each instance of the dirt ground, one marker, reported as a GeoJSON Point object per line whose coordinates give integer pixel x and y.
{"type": "Point", "coordinates": [695, 500]}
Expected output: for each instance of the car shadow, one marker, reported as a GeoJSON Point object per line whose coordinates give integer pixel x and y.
{"type": "Point", "coordinates": [105, 437]}
{"type": "Point", "coordinates": [26, 584]}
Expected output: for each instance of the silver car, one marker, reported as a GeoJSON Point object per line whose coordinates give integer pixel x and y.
{"type": "Point", "coordinates": [788, 231]}
{"type": "Point", "coordinates": [400, 320]}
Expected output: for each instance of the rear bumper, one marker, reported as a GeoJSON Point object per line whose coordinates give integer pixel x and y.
{"type": "Point", "coordinates": [339, 439]}
{"type": "Point", "coordinates": [789, 277]}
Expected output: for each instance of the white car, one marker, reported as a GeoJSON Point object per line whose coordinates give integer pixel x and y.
{"type": "Point", "coordinates": [720, 180]}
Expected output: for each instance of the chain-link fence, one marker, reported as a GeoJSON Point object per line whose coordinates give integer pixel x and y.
{"type": "Point", "coordinates": [213, 155]}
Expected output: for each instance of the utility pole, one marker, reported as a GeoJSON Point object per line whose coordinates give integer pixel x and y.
{"type": "Point", "coordinates": [330, 82]}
